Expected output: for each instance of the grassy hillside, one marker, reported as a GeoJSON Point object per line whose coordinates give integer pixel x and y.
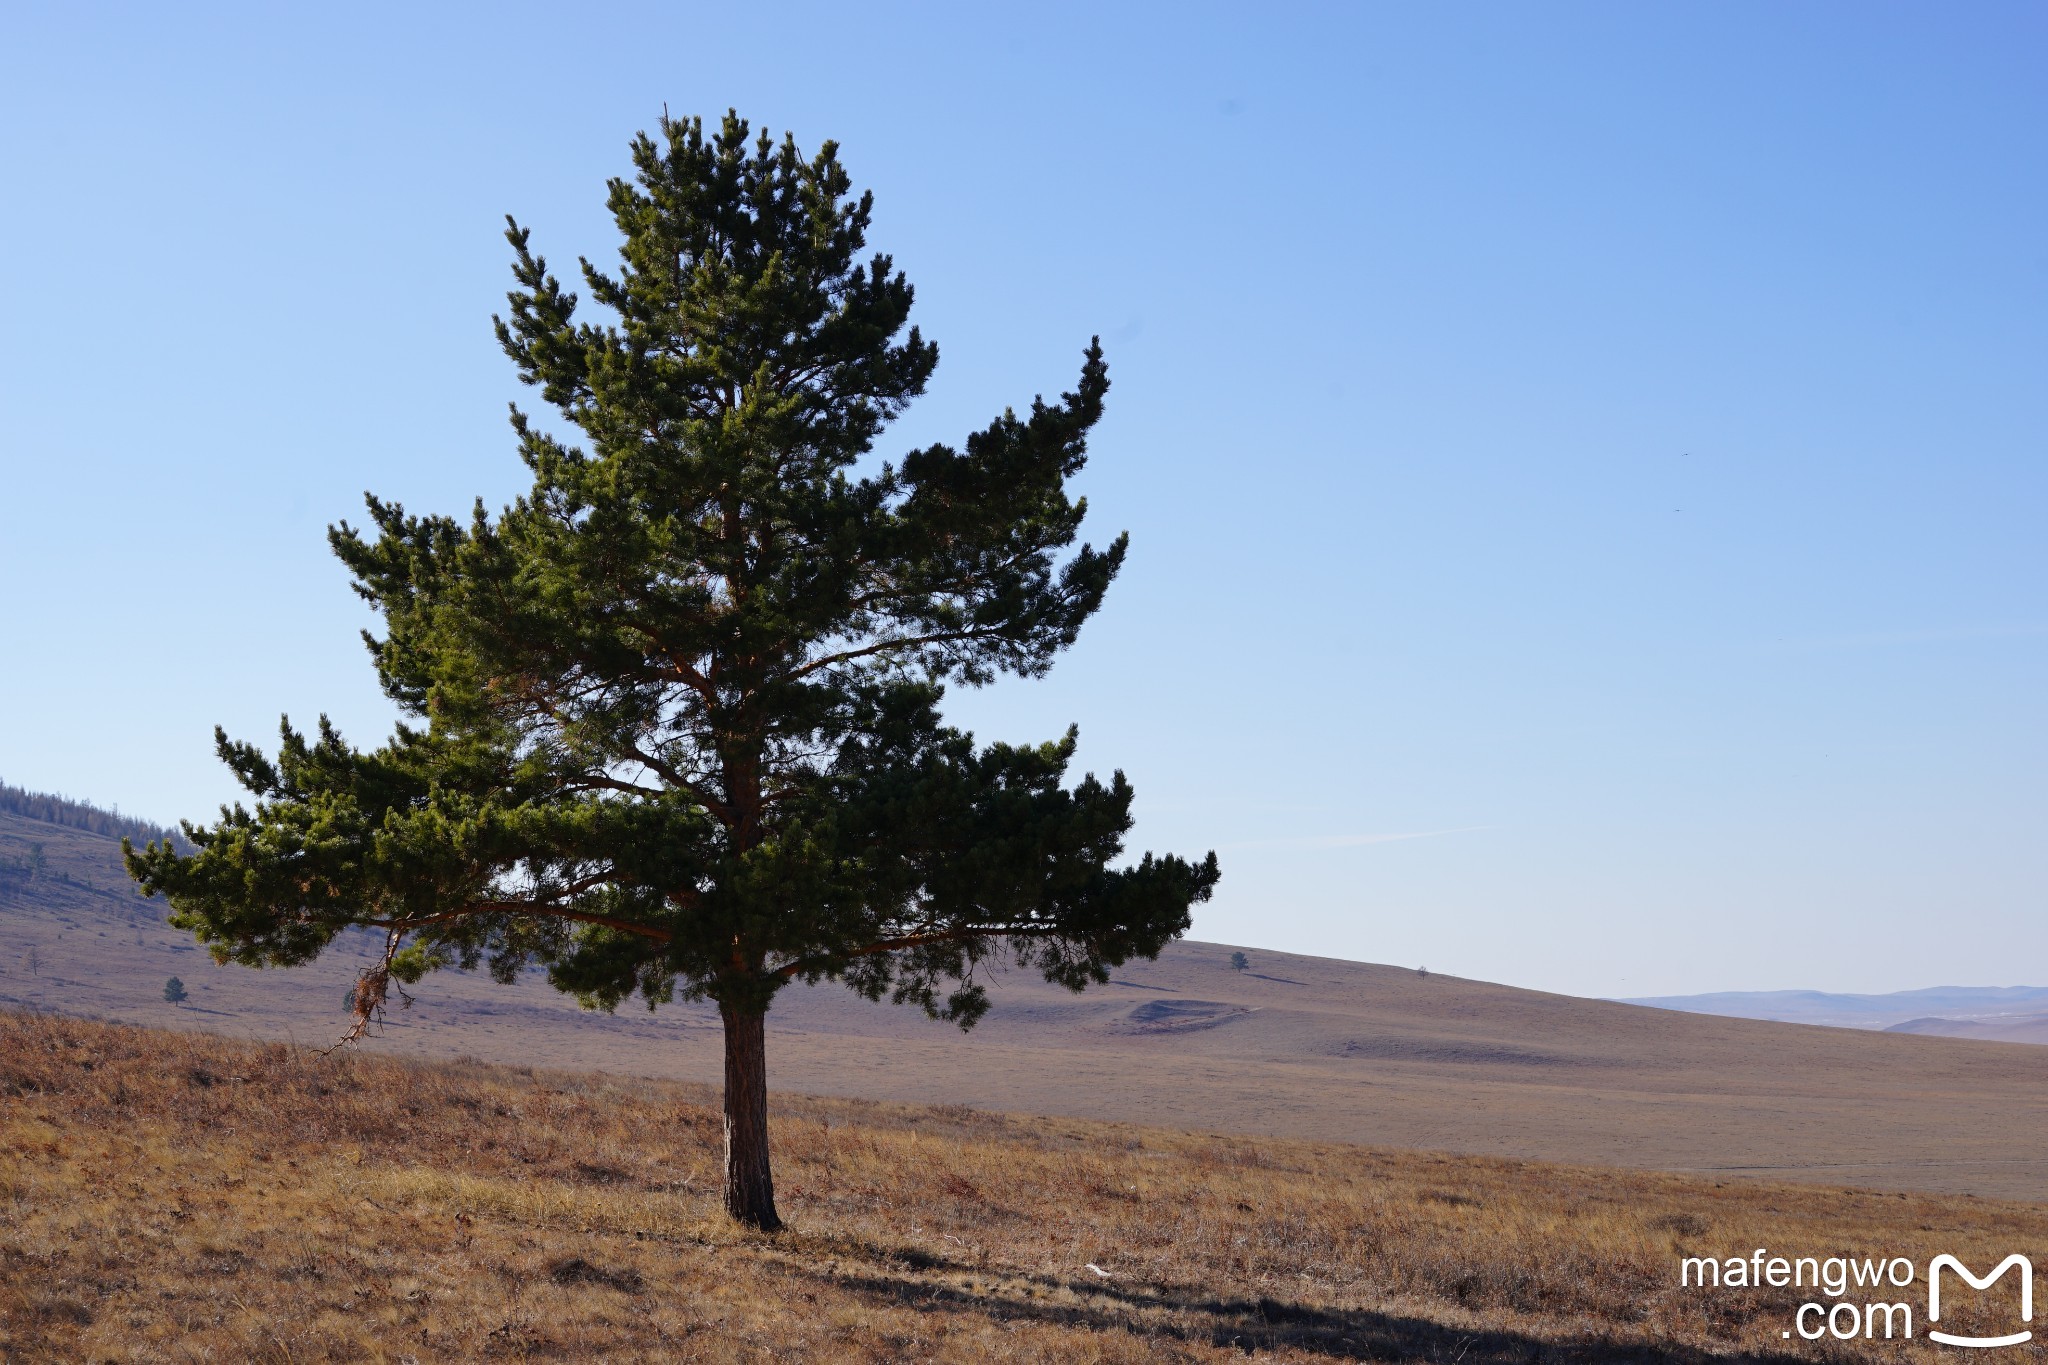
{"type": "Point", "coordinates": [1303, 1047]}
{"type": "Point", "coordinates": [173, 1197]}
{"type": "Point", "coordinates": [48, 809]}
{"type": "Point", "coordinates": [63, 868]}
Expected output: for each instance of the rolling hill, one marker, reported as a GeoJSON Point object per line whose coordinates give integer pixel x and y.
{"type": "Point", "coordinates": [1296, 1046]}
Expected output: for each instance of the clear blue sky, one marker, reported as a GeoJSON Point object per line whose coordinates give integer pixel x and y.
{"type": "Point", "coordinates": [1606, 440]}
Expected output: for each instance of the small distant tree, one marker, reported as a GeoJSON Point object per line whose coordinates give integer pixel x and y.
{"type": "Point", "coordinates": [674, 714]}
{"type": "Point", "coordinates": [33, 960]}
{"type": "Point", "coordinates": [37, 863]}
{"type": "Point", "coordinates": [174, 991]}
{"type": "Point", "coordinates": [1239, 962]}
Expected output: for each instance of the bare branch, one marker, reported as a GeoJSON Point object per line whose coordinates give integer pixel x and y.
{"type": "Point", "coordinates": [372, 988]}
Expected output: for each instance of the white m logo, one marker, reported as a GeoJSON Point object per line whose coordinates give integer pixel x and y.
{"type": "Point", "coordinates": [2026, 1297]}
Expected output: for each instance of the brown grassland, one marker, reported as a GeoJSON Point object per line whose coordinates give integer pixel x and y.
{"type": "Point", "coordinates": [180, 1197]}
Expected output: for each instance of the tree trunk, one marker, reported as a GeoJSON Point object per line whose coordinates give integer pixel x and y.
{"type": "Point", "coordinates": [749, 1185]}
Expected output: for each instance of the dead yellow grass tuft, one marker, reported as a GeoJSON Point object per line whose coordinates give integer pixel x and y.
{"type": "Point", "coordinates": [177, 1197]}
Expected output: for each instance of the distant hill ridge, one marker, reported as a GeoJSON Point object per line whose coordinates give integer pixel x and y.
{"type": "Point", "coordinates": [1931, 1004]}
{"type": "Point", "coordinates": [80, 815]}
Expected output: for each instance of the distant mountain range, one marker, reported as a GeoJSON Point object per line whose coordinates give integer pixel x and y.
{"type": "Point", "coordinates": [2014, 1014]}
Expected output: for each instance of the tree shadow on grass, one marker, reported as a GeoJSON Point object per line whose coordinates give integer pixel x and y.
{"type": "Point", "coordinates": [1253, 1324]}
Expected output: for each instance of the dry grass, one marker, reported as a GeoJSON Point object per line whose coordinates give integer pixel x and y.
{"type": "Point", "coordinates": [177, 1197]}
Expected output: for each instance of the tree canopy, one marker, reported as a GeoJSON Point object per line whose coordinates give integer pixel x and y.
{"type": "Point", "coordinates": [673, 717]}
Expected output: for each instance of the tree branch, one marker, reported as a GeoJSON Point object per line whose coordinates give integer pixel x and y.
{"type": "Point", "coordinates": [522, 908]}
{"type": "Point", "coordinates": [885, 646]}
{"type": "Point", "coordinates": [890, 945]}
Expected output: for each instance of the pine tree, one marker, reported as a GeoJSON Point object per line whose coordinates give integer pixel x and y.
{"type": "Point", "coordinates": [674, 714]}
{"type": "Point", "coordinates": [174, 991]}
